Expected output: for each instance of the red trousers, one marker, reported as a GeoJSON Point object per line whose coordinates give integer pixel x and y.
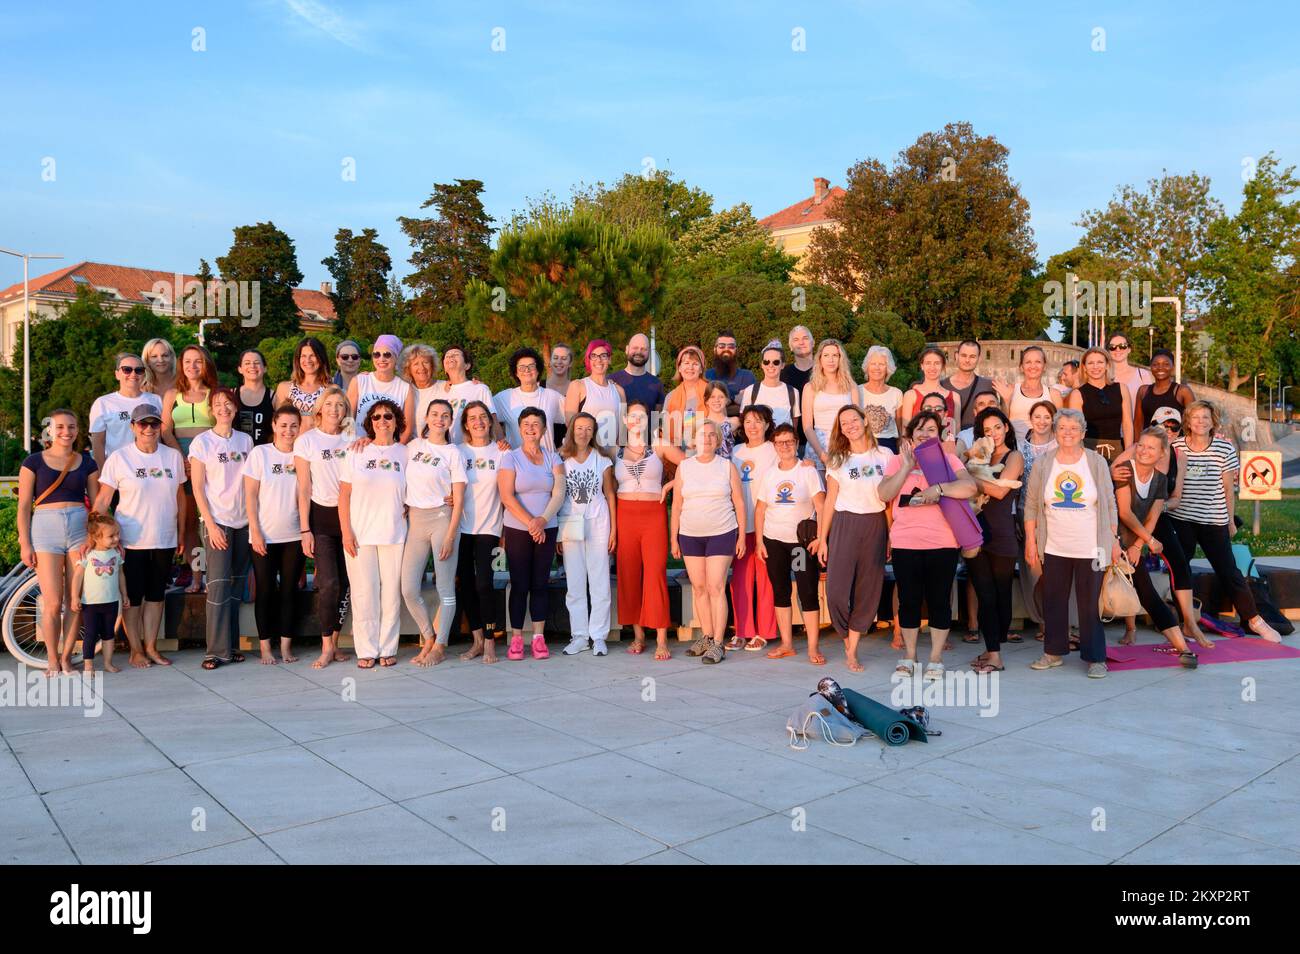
{"type": "Point", "coordinates": [746, 574]}
{"type": "Point", "coordinates": [642, 555]}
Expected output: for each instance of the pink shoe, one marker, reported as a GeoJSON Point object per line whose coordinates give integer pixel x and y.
{"type": "Point", "coordinates": [539, 648]}
{"type": "Point", "coordinates": [516, 650]}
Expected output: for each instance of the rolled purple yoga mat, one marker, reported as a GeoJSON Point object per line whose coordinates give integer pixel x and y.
{"type": "Point", "coordinates": [961, 518]}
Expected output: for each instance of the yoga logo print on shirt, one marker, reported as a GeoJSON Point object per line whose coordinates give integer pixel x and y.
{"type": "Point", "coordinates": [233, 457]}
{"type": "Point", "coordinates": [746, 470]}
{"type": "Point", "coordinates": [1068, 485]}
{"type": "Point", "coordinates": [582, 486]}
{"type": "Point", "coordinates": [865, 473]}
{"type": "Point", "coordinates": [785, 492]}
{"type": "Point", "coordinates": [154, 472]}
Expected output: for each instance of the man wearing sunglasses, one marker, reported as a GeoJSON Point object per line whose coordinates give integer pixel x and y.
{"type": "Point", "coordinates": [726, 369]}
{"type": "Point", "coordinates": [110, 415]}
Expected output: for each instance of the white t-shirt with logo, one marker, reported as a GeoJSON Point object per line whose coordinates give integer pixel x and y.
{"type": "Point", "coordinates": [789, 497]}
{"type": "Point", "coordinates": [323, 454]}
{"type": "Point", "coordinates": [110, 415]}
{"type": "Point", "coordinates": [777, 399]}
{"type": "Point", "coordinates": [1070, 509]}
{"type": "Point", "coordinates": [431, 470]}
{"type": "Point", "coordinates": [223, 474]}
{"type": "Point", "coordinates": [378, 478]}
{"type": "Point", "coordinates": [147, 483]}
{"type": "Point", "coordinates": [277, 493]}
{"type": "Point", "coordinates": [752, 463]}
{"type": "Point", "coordinates": [859, 479]}
{"type": "Point", "coordinates": [370, 389]}
{"type": "Point", "coordinates": [458, 395]}
{"type": "Point", "coordinates": [584, 487]}
{"type": "Point", "coordinates": [483, 512]}
{"type": "Point", "coordinates": [511, 403]}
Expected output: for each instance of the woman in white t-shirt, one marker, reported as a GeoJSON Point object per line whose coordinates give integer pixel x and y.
{"type": "Point", "coordinates": [525, 368]}
{"type": "Point", "coordinates": [435, 472]}
{"type": "Point", "coordinates": [707, 531]}
{"type": "Point", "coordinates": [149, 478]}
{"type": "Point", "coordinates": [751, 591]}
{"type": "Point", "coordinates": [854, 533]}
{"type": "Point", "coordinates": [789, 494]}
{"type": "Point", "coordinates": [317, 456]}
{"type": "Point", "coordinates": [419, 366]}
{"type": "Point", "coordinates": [880, 399]}
{"type": "Point", "coordinates": [459, 390]}
{"type": "Point", "coordinates": [217, 459]}
{"type": "Point", "coordinates": [587, 534]}
{"type": "Point", "coordinates": [271, 493]}
{"type": "Point", "coordinates": [480, 533]}
{"type": "Point", "coordinates": [370, 386]}
{"type": "Point", "coordinates": [372, 495]}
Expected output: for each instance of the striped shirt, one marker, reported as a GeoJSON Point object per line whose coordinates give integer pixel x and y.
{"type": "Point", "coordinates": [1203, 499]}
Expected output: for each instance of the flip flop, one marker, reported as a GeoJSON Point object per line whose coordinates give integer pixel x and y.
{"type": "Point", "coordinates": [365, 664]}
{"type": "Point", "coordinates": [817, 659]}
{"type": "Point", "coordinates": [211, 663]}
{"type": "Point", "coordinates": [636, 649]}
{"type": "Point", "coordinates": [781, 652]}
{"type": "Point", "coordinates": [983, 668]}
{"type": "Point", "coordinates": [756, 644]}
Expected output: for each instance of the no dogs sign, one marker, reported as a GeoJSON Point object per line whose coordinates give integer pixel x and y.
{"type": "Point", "coordinates": [1261, 475]}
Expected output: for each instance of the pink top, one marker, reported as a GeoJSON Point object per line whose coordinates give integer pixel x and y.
{"type": "Point", "coordinates": [920, 527]}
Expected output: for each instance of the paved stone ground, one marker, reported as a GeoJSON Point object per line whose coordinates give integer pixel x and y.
{"type": "Point", "coordinates": [272, 765]}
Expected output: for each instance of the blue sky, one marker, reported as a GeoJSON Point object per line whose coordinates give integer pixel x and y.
{"type": "Point", "coordinates": [160, 151]}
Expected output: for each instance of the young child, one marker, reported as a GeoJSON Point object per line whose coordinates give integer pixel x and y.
{"type": "Point", "coordinates": [97, 586]}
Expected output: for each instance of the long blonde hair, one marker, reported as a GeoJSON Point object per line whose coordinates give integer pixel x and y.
{"type": "Point", "coordinates": [150, 382]}
{"type": "Point", "coordinates": [840, 449]}
{"type": "Point", "coordinates": [1083, 365]}
{"type": "Point", "coordinates": [843, 383]}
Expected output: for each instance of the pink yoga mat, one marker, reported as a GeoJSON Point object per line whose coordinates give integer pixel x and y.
{"type": "Point", "coordinates": [1120, 658]}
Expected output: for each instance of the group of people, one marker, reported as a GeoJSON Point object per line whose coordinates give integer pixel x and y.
{"type": "Point", "coordinates": [775, 479]}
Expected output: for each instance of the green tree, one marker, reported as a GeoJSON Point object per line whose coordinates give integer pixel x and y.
{"type": "Point", "coordinates": [728, 242]}
{"type": "Point", "coordinates": [888, 329]}
{"type": "Point", "coordinates": [570, 277]}
{"type": "Point", "coordinates": [265, 255]}
{"type": "Point", "coordinates": [942, 238]}
{"type": "Point", "coordinates": [654, 198]}
{"type": "Point", "coordinates": [1250, 275]}
{"type": "Point", "coordinates": [360, 266]}
{"type": "Point", "coordinates": [450, 249]}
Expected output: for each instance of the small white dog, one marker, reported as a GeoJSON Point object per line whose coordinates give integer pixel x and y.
{"type": "Point", "coordinates": [978, 466]}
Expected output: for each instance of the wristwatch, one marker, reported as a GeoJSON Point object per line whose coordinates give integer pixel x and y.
{"type": "Point", "coordinates": [940, 486]}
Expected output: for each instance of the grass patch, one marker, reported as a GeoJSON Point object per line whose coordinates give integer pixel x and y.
{"type": "Point", "coordinates": [1279, 525]}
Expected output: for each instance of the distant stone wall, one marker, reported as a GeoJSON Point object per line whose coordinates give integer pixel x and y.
{"type": "Point", "coordinates": [1003, 357]}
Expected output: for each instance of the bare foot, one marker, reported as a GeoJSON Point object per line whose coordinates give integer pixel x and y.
{"type": "Point", "coordinates": [489, 652]}
{"type": "Point", "coordinates": [341, 656]}
{"type": "Point", "coordinates": [1202, 640]}
{"type": "Point", "coordinates": [286, 651]}
{"type": "Point", "coordinates": [947, 645]}
{"type": "Point", "coordinates": [268, 657]}
{"type": "Point", "coordinates": [157, 658]}
{"type": "Point", "coordinates": [897, 643]}
{"type": "Point", "coordinates": [325, 659]}
{"type": "Point", "coordinates": [109, 667]}
{"type": "Point", "coordinates": [474, 651]}
{"type": "Point", "coordinates": [853, 664]}
{"type": "Point", "coordinates": [140, 661]}
{"type": "Point", "coordinates": [52, 670]}
{"type": "Point", "coordinates": [1129, 637]}
{"type": "Point", "coordinates": [437, 654]}
{"type": "Point", "coordinates": [422, 657]}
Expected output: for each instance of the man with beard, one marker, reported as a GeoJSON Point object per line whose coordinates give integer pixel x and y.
{"type": "Point", "coordinates": [966, 382]}
{"type": "Point", "coordinates": [636, 380]}
{"type": "Point", "coordinates": [726, 370]}
{"type": "Point", "coordinates": [799, 370]}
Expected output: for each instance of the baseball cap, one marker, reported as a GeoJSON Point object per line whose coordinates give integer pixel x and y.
{"type": "Point", "coordinates": [145, 412]}
{"type": "Point", "coordinates": [1166, 413]}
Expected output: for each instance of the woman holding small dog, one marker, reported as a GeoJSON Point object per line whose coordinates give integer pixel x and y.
{"type": "Point", "coordinates": [993, 570]}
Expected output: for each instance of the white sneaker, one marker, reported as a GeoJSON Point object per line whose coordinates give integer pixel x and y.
{"type": "Point", "coordinates": [1265, 631]}
{"type": "Point", "coordinates": [600, 649]}
{"type": "Point", "coordinates": [578, 644]}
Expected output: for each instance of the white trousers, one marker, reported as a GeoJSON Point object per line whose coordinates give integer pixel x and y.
{"type": "Point", "coordinates": [586, 568]}
{"type": "Point", "coordinates": [375, 575]}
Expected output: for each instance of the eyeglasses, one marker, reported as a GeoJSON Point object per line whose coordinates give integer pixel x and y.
{"type": "Point", "coordinates": [1119, 347]}
{"type": "Point", "coordinates": [349, 357]}
{"type": "Point", "coordinates": [132, 369]}
{"type": "Point", "coordinates": [382, 417]}
{"type": "Point", "coordinates": [521, 366]}
{"type": "Point", "coordinates": [149, 425]}
{"type": "Point", "coordinates": [772, 363]}
{"type": "Point", "coordinates": [600, 356]}
{"type": "Point", "coordinates": [724, 347]}
{"type": "Point", "coordinates": [785, 443]}
{"type": "Point", "coordinates": [381, 354]}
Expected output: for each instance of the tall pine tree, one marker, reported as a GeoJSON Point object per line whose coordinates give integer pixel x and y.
{"type": "Point", "coordinates": [450, 249]}
{"type": "Point", "coordinates": [360, 266]}
{"type": "Point", "coordinates": [263, 254]}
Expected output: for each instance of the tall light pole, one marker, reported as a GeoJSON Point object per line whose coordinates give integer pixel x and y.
{"type": "Point", "coordinates": [1178, 334]}
{"type": "Point", "coordinates": [27, 346]}
{"type": "Point", "coordinates": [1286, 419]}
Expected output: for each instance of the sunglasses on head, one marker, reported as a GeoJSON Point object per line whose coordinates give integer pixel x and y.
{"type": "Point", "coordinates": [381, 354]}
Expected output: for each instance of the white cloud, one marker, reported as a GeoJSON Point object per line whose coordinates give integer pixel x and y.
{"type": "Point", "coordinates": [327, 21]}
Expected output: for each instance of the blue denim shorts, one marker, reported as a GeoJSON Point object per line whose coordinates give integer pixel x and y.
{"type": "Point", "coordinates": [58, 530]}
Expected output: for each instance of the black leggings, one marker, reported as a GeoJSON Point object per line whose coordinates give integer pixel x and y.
{"type": "Point", "coordinates": [991, 576]}
{"type": "Point", "coordinates": [331, 579]}
{"type": "Point", "coordinates": [530, 574]}
{"type": "Point", "coordinates": [475, 591]}
{"type": "Point", "coordinates": [147, 574]}
{"type": "Point", "coordinates": [98, 621]}
{"type": "Point", "coordinates": [1173, 552]}
{"type": "Point", "coordinates": [277, 584]}
{"type": "Point", "coordinates": [1162, 617]}
{"type": "Point", "coordinates": [1217, 544]}
{"type": "Point", "coordinates": [780, 564]}
{"type": "Point", "coordinates": [925, 576]}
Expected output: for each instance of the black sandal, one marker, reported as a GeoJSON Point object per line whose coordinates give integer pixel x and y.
{"type": "Point", "coordinates": [972, 638]}
{"type": "Point", "coordinates": [211, 663]}
{"type": "Point", "coordinates": [236, 657]}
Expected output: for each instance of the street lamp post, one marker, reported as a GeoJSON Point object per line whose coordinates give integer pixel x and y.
{"type": "Point", "coordinates": [1178, 334]}
{"type": "Point", "coordinates": [27, 346]}
{"type": "Point", "coordinates": [1285, 388]}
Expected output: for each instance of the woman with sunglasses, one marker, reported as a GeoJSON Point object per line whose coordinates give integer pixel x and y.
{"type": "Point", "coordinates": [459, 389]}
{"type": "Point", "coordinates": [480, 533]}
{"type": "Point", "coordinates": [771, 392]}
{"type": "Point", "coordinates": [1104, 404]}
{"type": "Point", "coordinates": [186, 415]}
{"type": "Point", "coordinates": [526, 370]}
{"type": "Point", "coordinates": [531, 481]}
{"type": "Point", "coordinates": [255, 402]}
{"type": "Point", "coordinates": [308, 380]}
{"type": "Point", "coordinates": [596, 394]}
{"type": "Point", "coordinates": [347, 357]}
{"type": "Point", "coordinates": [110, 415]}
{"type": "Point", "coordinates": [371, 386]}
{"type": "Point", "coordinates": [317, 456]}
{"type": "Point", "coordinates": [149, 478]}
{"type": "Point", "coordinates": [372, 518]}
{"type": "Point", "coordinates": [1134, 379]}
{"type": "Point", "coordinates": [435, 475]}
{"type": "Point", "coordinates": [216, 469]}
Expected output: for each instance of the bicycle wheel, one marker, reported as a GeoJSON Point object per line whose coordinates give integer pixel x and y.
{"type": "Point", "coordinates": [21, 624]}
